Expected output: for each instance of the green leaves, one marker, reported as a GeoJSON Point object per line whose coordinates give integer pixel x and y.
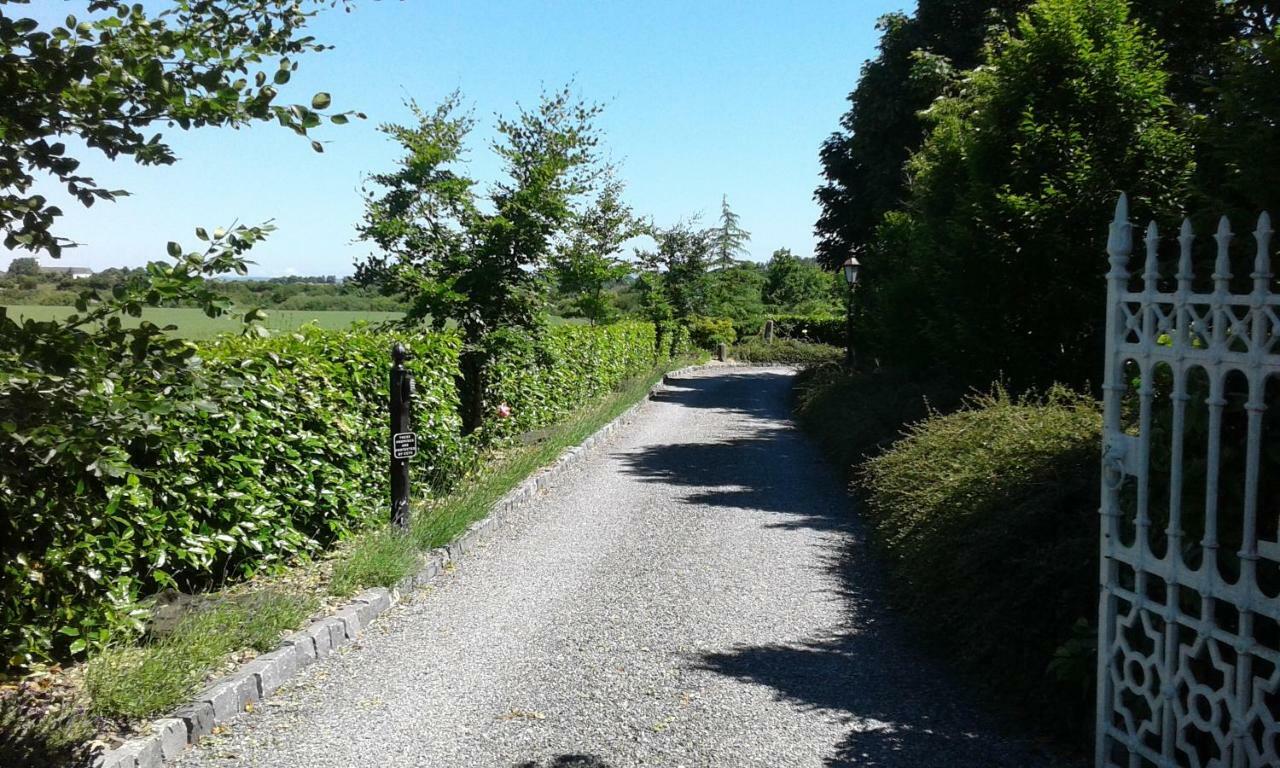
{"type": "Point", "coordinates": [320, 101]}
{"type": "Point", "coordinates": [108, 77]}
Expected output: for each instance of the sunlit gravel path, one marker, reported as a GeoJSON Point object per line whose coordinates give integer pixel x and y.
{"type": "Point", "coordinates": [695, 594]}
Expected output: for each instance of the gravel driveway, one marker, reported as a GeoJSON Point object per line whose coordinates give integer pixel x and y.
{"type": "Point", "coordinates": [695, 594]}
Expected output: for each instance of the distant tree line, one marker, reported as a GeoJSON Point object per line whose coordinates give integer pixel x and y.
{"type": "Point", "coordinates": [976, 169]}
{"type": "Point", "coordinates": [24, 283]}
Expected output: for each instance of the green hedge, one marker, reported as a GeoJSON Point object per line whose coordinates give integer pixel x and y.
{"type": "Point", "coordinates": [821, 329]}
{"type": "Point", "coordinates": [988, 517]}
{"type": "Point", "coordinates": [273, 448]}
{"type": "Point", "coordinates": [785, 351]}
{"type": "Point", "coordinates": [541, 382]}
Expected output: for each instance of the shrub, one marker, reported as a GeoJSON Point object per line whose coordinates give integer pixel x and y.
{"type": "Point", "coordinates": [43, 727]}
{"type": "Point", "coordinates": [856, 415]}
{"type": "Point", "coordinates": [709, 332]}
{"type": "Point", "coordinates": [822, 328]}
{"type": "Point", "coordinates": [785, 351]}
{"type": "Point", "coordinates": [988, 517]}
{"type": "Point", "coordinates": [268, 449]}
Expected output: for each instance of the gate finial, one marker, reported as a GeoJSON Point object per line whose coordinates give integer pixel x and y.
{"type": "Point", "coordinates": [1262, 262]}
{"type": "Point", "coordinates": [1222, 266]}
{"type": "Point", "coordinates": [1186, 236]}
{"type": "Point", "coordinates": [1120, 240]}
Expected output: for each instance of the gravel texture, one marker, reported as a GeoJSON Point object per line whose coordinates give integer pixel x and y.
{"type": "Point", "coordinates": [696, 593]}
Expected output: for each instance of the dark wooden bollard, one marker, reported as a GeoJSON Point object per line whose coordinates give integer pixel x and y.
{"type": "Point", "coordinates": [404, 443]}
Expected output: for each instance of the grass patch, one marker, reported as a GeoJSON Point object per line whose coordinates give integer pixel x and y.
{"type": "Point", "coordinates": [193, 323]}
{"type": "Point", "coordinates": [143, 681]}
{"type": "Point", "coordinates": [378, 558]}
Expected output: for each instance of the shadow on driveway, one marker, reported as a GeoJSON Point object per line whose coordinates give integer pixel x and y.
{"type": "Point", "coordinates": [904, 709]}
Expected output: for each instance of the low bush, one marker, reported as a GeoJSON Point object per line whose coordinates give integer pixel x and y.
{"type": "Point", "coordinates": [44, 726]}
{"type": "Point", "coordinates": [785, 351]}
{"type": "Point", "coordinates": [710, 332]}
{"type": "Point", "coordinates": [988, 518]}
{"type": "Point", "coordinates": [821, 329]}
{"type": "Point", "coordinates": [856, 415]}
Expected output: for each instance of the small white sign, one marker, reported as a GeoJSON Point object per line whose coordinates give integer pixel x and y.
{"type": "Point", "coordinates": [404, 445]}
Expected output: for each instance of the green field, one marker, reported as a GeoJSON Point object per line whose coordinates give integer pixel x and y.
{"type": "Point", "coordinates": [193, 324]}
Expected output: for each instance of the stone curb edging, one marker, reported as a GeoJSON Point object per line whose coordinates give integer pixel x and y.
{"type": "Point", "coordinates": [238, 692]}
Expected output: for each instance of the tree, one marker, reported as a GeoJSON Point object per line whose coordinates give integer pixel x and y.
{"type": "Point", "coordinates": [80, 397]}
{"type": "Point", "coordinates": [729, 240]}
{"type": "Point", "coordinates": [797, 286]}
{"type": "Point", "coordinates": [1238, 109]}
{"type": "Point", "coordinates": [24, 265]}
{"type": "Point", "coordinates": [993, 261]}
{"type": "Point", "coordinates": [863, 162]}
{"type": "Point", "coordinates": [682, 257]}
{"type": "Point", "coordinates": [588, 261]}
{"type": "Point", "coordinates": [735, 292]}
{"type": "Point", "coordinates": [108, 78]}
{"type": "Point", "coordinates": [455, 256]}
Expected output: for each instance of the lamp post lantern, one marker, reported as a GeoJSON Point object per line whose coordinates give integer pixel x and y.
{"type": "Point", "coordinates": [850, 268]}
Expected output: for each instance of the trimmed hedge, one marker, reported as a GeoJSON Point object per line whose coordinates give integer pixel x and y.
{"type": "Point", "coordinates": [820, 329]}
{"type": "Point", "coordinates": [275, 448]}
{"type": "Point", "coordinates": [541, 382]}
{"type": "Point", "coordinates": [988, 517]}
{"type": "Point", "coordinates": [785, 351]}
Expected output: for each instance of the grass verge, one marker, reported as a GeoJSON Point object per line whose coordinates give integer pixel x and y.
{"type": "Point", "coordinates": [138, 681]}
{"type": "Point", "coordinates": [150, 679]}
{"type": "Point", "coordinates": [382, 558]}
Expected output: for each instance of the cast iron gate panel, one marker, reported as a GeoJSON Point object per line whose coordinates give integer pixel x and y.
{"type": "Point", "coordinates": [1188, 658]}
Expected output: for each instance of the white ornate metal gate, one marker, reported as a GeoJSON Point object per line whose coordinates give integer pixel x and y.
{"type": "Point", "coordinates": [1189, 615]}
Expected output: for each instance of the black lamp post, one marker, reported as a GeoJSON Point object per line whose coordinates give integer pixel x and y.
{"type": "Point", "coordinates": [850, 267]}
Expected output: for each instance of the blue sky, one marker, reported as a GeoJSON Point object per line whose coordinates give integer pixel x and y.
{"type": "Point", "coordinates": [702, 99]}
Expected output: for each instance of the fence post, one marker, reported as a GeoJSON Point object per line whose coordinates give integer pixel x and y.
{"type": "Point", "coordinates": [404, 443]}
{"type": "Point", "coordinates": [1119, 248]}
